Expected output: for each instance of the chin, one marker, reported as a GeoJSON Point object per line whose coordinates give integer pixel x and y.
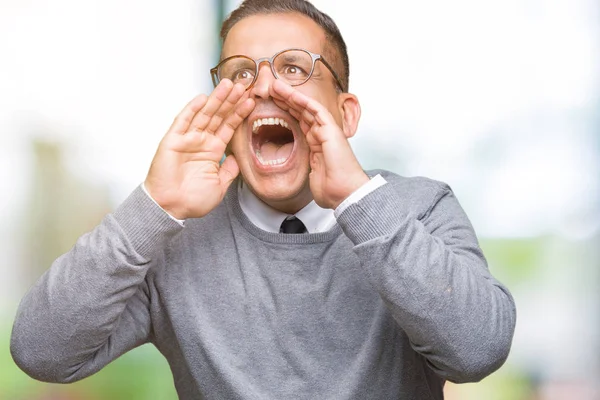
{"type": "Point", "coordinates": [282, 191]}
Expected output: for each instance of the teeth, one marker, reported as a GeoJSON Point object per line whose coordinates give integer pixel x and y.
{"type": "Point", "coordinates": [268, 121]}
{"type": "Point", "coordinates": [269, 162]}
{"type": "Point", "coordinates": [276, 162]}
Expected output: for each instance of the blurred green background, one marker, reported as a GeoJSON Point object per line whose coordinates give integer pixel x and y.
{"type": "Point", "coordinates": [500, 99]}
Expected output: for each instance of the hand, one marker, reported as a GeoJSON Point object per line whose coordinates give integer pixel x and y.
{"type": "Point", "coordinates": [335, 171]}
{"type": "Point", "coordinates": [186, 178]}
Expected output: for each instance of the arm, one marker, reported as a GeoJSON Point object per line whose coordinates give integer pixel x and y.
{"type": "Point", "coordinates": [427, 266]}
{"type": "Point", "coordinates": [432, 275]}
{"type": "Point", "coordinates": [93, 305]}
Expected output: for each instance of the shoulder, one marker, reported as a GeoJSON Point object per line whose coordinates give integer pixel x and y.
{"type": "Point", "coordinates": [419, 195]}
{"type": "Point", "coordinates": [412, 186]}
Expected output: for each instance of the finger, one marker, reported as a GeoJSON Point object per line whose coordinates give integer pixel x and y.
{"type": "Point", "coordinates": [294, 113]}
{"type": "Point", "coordinates": [281, 104]}
{"type": "Point", "coordinates": [234, 96]}
{"type": "Point", "coordinates": [306, 128]}
{"type": "Point", "coordinates": [234, 119]}
{"type": "Point", "coordinates": [301, 102]}
{"type": "Point", "coordinates": [228, 171]}
{"type": "Point", "coordinates": [282, 93]}
{"type": "Point", "coordinates": [316, 160]}
{"type": "Point", "coordinates": [286, 98]}
{"type": "Point", "coordinates": [287, 94]}
{"type": "Point", "coordinates": [181, 124]}
{"type": "Point", "coordinates": [305, 124]}
{"type": "Point", "coordinates": [305, 118]}
{"type": "Point", "coordinates": [215, 100]}
{"type": "Point", "coordinates": [299, 114]}
{"type": "Point", "coordinates": [295, 110]}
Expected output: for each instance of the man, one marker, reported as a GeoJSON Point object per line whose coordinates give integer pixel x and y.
{"type": "Point", "coordinates": [380, 292]}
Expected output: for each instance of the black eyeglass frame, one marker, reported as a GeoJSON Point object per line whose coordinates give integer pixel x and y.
{"type": "Point", "coordinates": [214, 72]}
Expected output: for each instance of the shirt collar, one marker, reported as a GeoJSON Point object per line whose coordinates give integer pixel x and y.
{"type": "Point", "coordinates": [315, 218]}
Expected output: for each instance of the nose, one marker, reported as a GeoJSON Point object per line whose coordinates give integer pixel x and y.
{"type": "Point", "coordinates": [263, 82]}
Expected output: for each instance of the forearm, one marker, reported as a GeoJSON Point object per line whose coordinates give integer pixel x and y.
{"type": "Point", "coordinates": [93, 293]}
{"type": "Point", "coordinates": [433, 277]}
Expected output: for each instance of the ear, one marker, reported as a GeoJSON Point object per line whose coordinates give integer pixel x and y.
{"type": "Point", "coordinates": [350, 112]}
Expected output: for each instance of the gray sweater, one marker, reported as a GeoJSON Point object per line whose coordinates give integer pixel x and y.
{"type": "Point", "coordinates": [388, 304]}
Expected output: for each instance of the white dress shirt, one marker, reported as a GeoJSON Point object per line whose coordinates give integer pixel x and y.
{"type": "Point", "coordinates": [315, 218]}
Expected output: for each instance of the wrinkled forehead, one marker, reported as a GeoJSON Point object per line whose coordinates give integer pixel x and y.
{"type": "Point", "coordinates": [263, 35]}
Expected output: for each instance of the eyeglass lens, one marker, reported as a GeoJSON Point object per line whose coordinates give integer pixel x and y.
{"type": "Point", "coordinates": [292, 66]}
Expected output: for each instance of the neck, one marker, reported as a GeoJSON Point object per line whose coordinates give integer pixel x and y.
{"type": "Point", "coordinates": [290, 205]}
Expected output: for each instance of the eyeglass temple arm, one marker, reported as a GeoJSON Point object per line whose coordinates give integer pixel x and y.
{"type": "Point", "coordinates": [337, 78]}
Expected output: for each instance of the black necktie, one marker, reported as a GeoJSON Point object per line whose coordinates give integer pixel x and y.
{"type": "Point", "coordinates": [292, 225]}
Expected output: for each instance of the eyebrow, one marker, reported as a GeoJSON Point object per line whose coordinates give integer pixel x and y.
{"type": "Point", "coordinates": [289, 57]}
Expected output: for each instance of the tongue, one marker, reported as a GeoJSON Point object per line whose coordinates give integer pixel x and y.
{"type": "Point", "coordinates": [272, 151]}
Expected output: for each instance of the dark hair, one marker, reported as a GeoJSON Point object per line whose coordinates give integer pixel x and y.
{"type": "Point", "coordinates": [337, 57]}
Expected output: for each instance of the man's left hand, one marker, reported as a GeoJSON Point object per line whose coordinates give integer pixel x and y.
{"type": "Point", "coordinates": [335, 171]}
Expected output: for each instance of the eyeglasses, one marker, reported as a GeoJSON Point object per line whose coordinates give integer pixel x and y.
{"type": "Point", "coordinates": [293, 66]}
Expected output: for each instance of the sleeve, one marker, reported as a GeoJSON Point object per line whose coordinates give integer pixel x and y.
{"type": "Point", "coordinates": [373, 183]}
{"type": "Point", "coordinates": [430, 272]}
{"type": "Point", "coordinates": [92, 305]}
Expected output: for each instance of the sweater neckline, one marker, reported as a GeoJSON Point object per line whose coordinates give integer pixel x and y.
{"type": "Point", "coordinates": [233, 205]}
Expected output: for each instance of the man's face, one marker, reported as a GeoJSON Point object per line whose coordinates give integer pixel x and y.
{"type": "Point", "coordinates": [274, 157]}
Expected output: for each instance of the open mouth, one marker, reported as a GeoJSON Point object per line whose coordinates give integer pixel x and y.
{"type": "Point", "coordinates": [272, 141]}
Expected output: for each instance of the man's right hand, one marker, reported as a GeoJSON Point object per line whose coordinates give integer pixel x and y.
{"type": "Point", "coordinates": [186, 178]}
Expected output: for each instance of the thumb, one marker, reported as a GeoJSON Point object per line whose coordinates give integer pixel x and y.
{"type": "Point", "coordinates": [228, 171]}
